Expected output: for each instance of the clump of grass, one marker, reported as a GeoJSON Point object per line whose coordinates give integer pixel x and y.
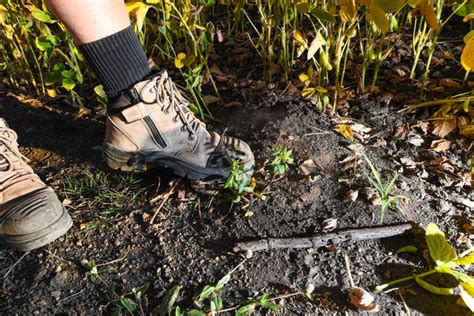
{"type": "Point", "coordinates": [384, 189]}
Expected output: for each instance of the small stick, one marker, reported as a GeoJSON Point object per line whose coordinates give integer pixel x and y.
{"type": "Point", "coordinates": [166, 196]}
{"type": "Point", "coordinates": [349, 274]}
{"type": "Point", "coordinates": [14, 265]}
{"type": "Point", "coordinates": [325, 239]}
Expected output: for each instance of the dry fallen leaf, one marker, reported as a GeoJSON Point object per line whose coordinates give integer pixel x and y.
{"type": "Point", "coordinates": [308, 167]}
{"type": "Point", "coordinates": [210, 99]}
{"type": "Point", "coordinates": [402, 132]}
{"type": "Point", "coordinates": [423, 126]}
{"type": "Point", "coordinates": [363, 300]}
{"type": "Point", "coordinates": [440, 145]}
{"type": "Point", "coordinates": [450, 83]}
{"type": "Point", "coordinates": [442, 128]}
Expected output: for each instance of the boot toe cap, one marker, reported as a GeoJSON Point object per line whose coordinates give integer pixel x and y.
{"type": "Point", "coordinates": [32, 213]}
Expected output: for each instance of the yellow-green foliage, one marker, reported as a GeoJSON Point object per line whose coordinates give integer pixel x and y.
{"type": "Point", "coordinates": [37, 52]}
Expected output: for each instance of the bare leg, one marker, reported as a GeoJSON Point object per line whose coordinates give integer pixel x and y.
{"type": "Point", "coordinates": [90, 20]}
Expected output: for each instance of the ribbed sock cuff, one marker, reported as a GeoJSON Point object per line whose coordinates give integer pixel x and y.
{"type": "Point", "coordinates": [117, 60]}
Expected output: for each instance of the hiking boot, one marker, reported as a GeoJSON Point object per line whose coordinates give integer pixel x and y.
{"type": "Point", "coordinates": [31, 215]}
{"type": "Point", "coordinates": [154, 127]}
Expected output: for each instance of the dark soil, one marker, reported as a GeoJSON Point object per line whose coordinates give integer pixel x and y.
{"type": "Point", "coordinates": [191, 240]}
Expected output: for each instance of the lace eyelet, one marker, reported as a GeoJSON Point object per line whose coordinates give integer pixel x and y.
{"type": "Point", "coordinates": [175, 119]}
{"type": "Point", "coordinates": [191, 137]}
{"type": "Point", "coordinates": [166, 111]}
{"type": "Point", "coordinates": [183, 129]}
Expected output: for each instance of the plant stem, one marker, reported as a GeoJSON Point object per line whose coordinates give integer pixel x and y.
{"type": "Point", "coordinates": [411, 277]}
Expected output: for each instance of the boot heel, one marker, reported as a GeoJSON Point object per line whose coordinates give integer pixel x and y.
{"type": "Point", "coordinates": [121, 160]}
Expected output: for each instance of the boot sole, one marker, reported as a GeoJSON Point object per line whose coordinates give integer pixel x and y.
{"type": "Point", "coordinates": [142, 161]}
{"type": "Point", "coordinates": [40, 238]}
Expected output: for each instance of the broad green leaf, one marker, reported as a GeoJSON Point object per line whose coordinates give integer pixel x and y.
{"type": "Point", "coordinates": [440, 250]}
{"type": "Point", "coordinates": [42, 44]}
{"type": "Point", "coordinates": [53, 39]}
{"type": "Point", "coordinates": [323, 15]}
{"type": "Point", "coordinates": [434, 289]}
{"type": "Point", "coordinates": [466, 260]}
{"type": "Point", "coordinates": [39, 14]}
{"type": "Point", "coordinates": [378, 16]}
{"type": "Point", "coordinates": [390, 6]}
{"type": "Point", "coordinates": [68, 84]}
{"type": "Point", "coordinates": [99, 90]}
{"type": "Point", "coordinates": [68, 74]}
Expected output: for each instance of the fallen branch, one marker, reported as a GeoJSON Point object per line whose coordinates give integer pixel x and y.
{"type": "Point", "coordinates": [323, 240]}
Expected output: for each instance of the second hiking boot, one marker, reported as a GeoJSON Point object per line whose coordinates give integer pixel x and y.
{"type": "Point", "coordinates": [31, 215]}
{"type": "Point", "coordinates": [155, 127]}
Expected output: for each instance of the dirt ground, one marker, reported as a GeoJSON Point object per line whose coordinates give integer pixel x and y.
{"type": "Point", "coordinates": [191, 238]}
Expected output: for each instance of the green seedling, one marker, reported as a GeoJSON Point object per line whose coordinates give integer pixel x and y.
{"type": "Point", "coordinates": [446, 261]}
{"type": "Point", "coordinates": [93, 272]}
{"type": "Point", "coordinates": [386, 196]}
{"type": "Point", "coordinates": [130, 302]}
{"type": "Point", "coordinates": [239, 181]}
{"type": "Point", "coordinates": [282, 159]}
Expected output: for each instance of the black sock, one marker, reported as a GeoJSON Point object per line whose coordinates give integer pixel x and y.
{"type": "Point", "coordinates": [117, 60]}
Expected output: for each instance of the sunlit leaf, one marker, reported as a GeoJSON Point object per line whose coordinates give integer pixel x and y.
{"type": "Point", "coordinates": [467, 57]}
{"type": "Point", "coordinates": [139, 9]}
{"type": "Point", "coordinates": [68, 84]}
{"type": "Point", "coordinates": [434, 289]}
{"type": "Point", "coordinates": [440, 250]}
{"type": "Point", "coordinates": [315, 45]}
{"type": "Point", "coordinates": [39, 14]}
{"type": "Point", "coordinates": [467, 294]}
{"type": "Point", "coordinates": [466, 260]}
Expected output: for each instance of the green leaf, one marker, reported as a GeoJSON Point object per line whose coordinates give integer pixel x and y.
{"type": "Point", "coordinates": [40, 15]}
{"type": "Point", "coordinates": [206, 292]}
{"type": "Point", "coordinates": [246, 309]}
{"type": "Point", "coordinates": [59, 67]}
{"type": "Point", "coordinates": [458, 275]}
{"type": "Point", "coordinates": [128, 304]}
{"type": "Point", "coordinates": [51, 78]}
{"type": "Point", "coordinates": [440, 250]}
{"type": "Point", "coordinates": [222, 282]}
{"type": "Point", "coordinates": [195, 312]}
{"type": "Point", "coordinates": [42, 44]}
{"type": "Point", "coordinates": [271, 305]}
{"type": "Point", "coordinates": [99, 90]}
{"type": "Point", "coordinates": [302, 7]}
{"type": "Point", "coordinates": [323, 15]}
{"type": "Point", "coordinates": [53, 39]}
{"type": "Point", "coordinates": [68, 84]}
{"type": "Point", "coordinates": [67, 74]}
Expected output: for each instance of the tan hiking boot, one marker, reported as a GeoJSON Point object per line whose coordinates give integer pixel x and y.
{"type": "Point", "coordinates": [31, 215]}
{"type": "Point", "coordinates": [155, 127]}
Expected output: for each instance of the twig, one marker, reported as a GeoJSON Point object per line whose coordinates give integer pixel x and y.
{"type": "Point", "coordinates": [71, 296]}
{"type": "Point", "coordinates": [15, 264]}
{"type": "Point", "coordinates": [166, 196]}
{"type": "Point", "coordinates": [322, 240]}
{"type": "Point", "coordinates": [113, 261]}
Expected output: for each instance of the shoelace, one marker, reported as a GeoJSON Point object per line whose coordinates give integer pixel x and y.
{"type": "Point", "coordinates": [6, 164]}
{"type": "Point", "coordinates": [166, 88]}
